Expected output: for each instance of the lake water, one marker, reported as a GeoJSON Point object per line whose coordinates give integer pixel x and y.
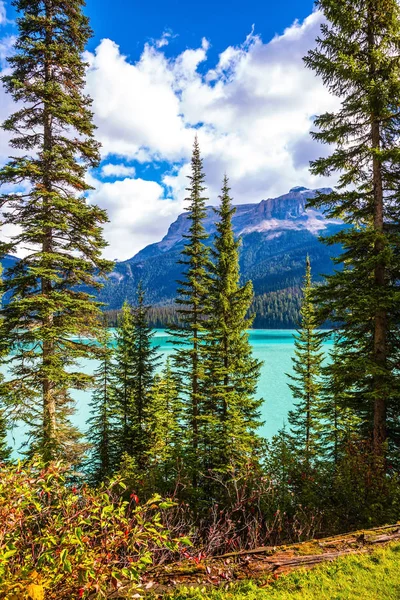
{"type": "Point", "coordinates": [274, 347]}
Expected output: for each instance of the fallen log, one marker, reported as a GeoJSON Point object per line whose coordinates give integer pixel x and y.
{"type": "Point", "coordinates": [256, 563]}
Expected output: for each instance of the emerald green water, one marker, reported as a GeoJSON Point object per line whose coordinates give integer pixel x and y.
{"type": "Point", "coordinates": [273, 346]}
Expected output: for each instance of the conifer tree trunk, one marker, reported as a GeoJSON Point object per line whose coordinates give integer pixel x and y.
{"type": "Point", "coordinates": [380, 333]}
{"type": "Point", "coordinates": [49, 401]}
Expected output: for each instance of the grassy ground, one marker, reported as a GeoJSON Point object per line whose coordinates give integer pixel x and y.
{"type": "Point", "coordinates": [374, 576]}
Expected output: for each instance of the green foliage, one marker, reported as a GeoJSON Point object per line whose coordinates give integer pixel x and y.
{"type": "Point", "coordinates": [102, 424]}
{"type": "Point", "coordinates": [166, 441]}
{"type": "Point", "coordinates": [339, 424]}
{"type": "Point", "coordinates": [146, 360]}
{"type": "Point", "coordinates": [5, 450]}
{"type": "Point", "coordinates": [73, 542]}
{"type": "Point", "coordinates": [189, 334]}
{"type": "Point", "coordinates": [359, 497]}
{"type": "Point", "coordinates": [304, 419]}
{"type": "Point", "coordinates": [231, 411]}
{"type": "Point", "coordinates": [135, 363]}
{"type": "Point", "coordinates": [272, 310]}
{"type": "Point", "coordinates": [277, 310]}
{"type": "Point", "coordinates": [358, 58]}
{"type": "Point", "coordinates": [48, 312]}
{"type": "Point", "coordinates": [123, 379]}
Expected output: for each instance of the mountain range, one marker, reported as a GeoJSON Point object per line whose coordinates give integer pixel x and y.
{"type": "Point", "coordinates": [276, 235]}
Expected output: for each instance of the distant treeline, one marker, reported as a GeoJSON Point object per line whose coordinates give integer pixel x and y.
{"type": "Point", "coordinates": [273, 310]}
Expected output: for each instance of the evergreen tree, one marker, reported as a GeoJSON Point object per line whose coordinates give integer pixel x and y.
{"type": "Point", "coordinates": [306, 386]}
{"type": "Point", "coordinates": [358, 57]}
{"type": "Point", "coordinates": [165, 451]}
{"type": "Point", "coordinates": [50, 311]}
{"type": "Point", "coordinates": [191, 301]}
{"type": "Point", "coordinates": [146, 361]}
{"type": "Point", "coordinates": [232, 373]}
{"type": "Point", "coordinates": [339, 426]}
{"type": "Point", "coordinates": [123, 380]}
{"type": "Point", "coordinates": [101, 433]}
{"type": "Point", "coordinates": [5, 451]}
{"type": "Point", "coordinates": [282, 465]}
{"type": "Point", "coordinates": [135, 364]}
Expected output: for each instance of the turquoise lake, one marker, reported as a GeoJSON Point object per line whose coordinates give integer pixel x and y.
{"type": "Point", "coordinates": [274, 347]}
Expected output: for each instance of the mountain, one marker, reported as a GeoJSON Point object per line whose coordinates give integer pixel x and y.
{"type": "Point", "coordinates": [276, 235]}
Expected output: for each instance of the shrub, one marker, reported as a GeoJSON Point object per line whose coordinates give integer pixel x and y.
{"type": "Point", "coordinates": [61, 541]}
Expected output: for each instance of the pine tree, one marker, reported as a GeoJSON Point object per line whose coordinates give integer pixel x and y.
{"type": "Point", "coordinates": [306, 386]}
{"type": "Point", "coordinates": [135, 365]}
{"type": "Point", "coordinates": [50, 310]}
{"type": "Point", "coordinates": [101, 433]}
{"type": "Point", "coordinates": [232, 373]}
{"type": "Point", "coordinates": [191, 301]}
{"type": "Point", "coordinates": [146, 361]}
{"type": "Point", "coordinates": [166, 443]}
{"type": "Point", "coordinates": [5, 451]}
{"type": "Point", "coordinates": [358, 57]}
{"type": "Point", "coordinates": [123, 380]}
{"type": "Point", "coordinates": [339, 426]}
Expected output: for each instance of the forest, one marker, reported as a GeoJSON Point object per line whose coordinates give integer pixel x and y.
{"type": "Point", "coordinates": [171, 465]}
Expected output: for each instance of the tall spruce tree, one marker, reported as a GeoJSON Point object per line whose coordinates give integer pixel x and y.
{"type": "Point", "coordinates": [191, 301]}
{"type": "Point", "coordinates": [49, 311]}
{"type": "Point", "coordinates": [146, 361]}
{"type": "Point", "coordinates": [232, 372]}
{"type": "Point", "coordinates": [358, 57]}
{"type": "Point", "coordinates": [123, 380]}
{"type": "Point", "coordinates": [101, 432]}
{"type": "Point", "coordinates": [306, 380]}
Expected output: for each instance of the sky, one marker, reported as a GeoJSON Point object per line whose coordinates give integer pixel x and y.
{"type": "Point", "coordinates": [161, 72]}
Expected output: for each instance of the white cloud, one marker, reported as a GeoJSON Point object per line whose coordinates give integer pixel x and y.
{"type": "Point", "coordinates": [3, 17]}
{"type": "Point", "coordinates": [117, 170]}
{"type": "Point", "coordinates": [252, 111]}
{"type": "Point", "coordinates": [136, 108]}
{"type": "Point", "coordinates": [164, 39]}
{"type": "Point", "coordinates": [138, 212]}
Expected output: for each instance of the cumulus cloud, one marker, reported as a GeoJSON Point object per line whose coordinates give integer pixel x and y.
{"type": "Point", "coordinates": [117, 170]}
{"type": "Point", "coordinates": [138, 211]}
{"type": "Point", "coordinates": [252, 111]}
{"type": "Point", "coordinates": [137, 110]}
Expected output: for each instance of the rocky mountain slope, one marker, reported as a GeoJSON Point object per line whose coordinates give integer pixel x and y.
{"type": "Point", "coordinates": [276, 235]}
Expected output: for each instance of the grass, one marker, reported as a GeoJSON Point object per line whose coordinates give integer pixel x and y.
{"type": "Point", "coordinates": [374, 576]}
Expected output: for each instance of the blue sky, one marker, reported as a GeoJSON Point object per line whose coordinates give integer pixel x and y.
{"type": "Point", "coordinates": [161, 71]}
{"type": "Point", "coordinates": [224, 23]}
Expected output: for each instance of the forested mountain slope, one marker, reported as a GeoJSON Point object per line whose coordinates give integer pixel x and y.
{"type": "Point", "coordinates": [276, 236]}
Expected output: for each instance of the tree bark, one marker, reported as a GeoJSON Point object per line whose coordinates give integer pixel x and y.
{"type": "Point", "coordinates": [49, 399]}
